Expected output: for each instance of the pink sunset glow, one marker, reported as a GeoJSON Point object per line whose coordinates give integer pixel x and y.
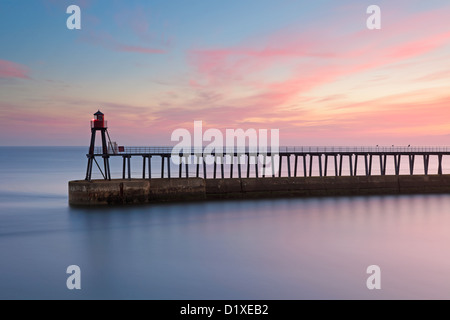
{"type": "Point", "coordinates": [9, 69]}
{"type": "Point", "coordinates": [334, 83]}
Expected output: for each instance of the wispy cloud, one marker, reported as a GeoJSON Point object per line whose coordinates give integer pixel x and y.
{"type": "Point", "coordinates": [107, 41]}
{"type": "Point", "coordinates": [9, 69]}
{"type": "Point", "coordinates": [274, 72]}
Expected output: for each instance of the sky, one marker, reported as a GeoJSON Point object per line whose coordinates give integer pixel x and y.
{"type": "Point", "coordinates": [311, 69]}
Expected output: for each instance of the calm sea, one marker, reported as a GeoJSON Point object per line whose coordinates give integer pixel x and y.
{"type": "Point", "coordinates": [317, 248]}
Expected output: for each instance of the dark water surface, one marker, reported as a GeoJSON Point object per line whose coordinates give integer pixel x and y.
{"type": "Point", "coordinates": [254, 249]}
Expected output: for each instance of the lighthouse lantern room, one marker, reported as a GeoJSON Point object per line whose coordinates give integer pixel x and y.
{"type": "Point", "coordinates": [99, 120]}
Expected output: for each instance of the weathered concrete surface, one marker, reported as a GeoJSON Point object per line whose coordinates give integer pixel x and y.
{"type": "Point", "coordinates": [176, 189]}
{"type": "Point", "coordinates": [101, 192]}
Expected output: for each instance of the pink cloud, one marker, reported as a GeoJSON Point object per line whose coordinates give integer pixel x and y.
{"type": "Point", "coordinates": [9, 69]}
{"type": "Point", "coordinates": [311, 59]}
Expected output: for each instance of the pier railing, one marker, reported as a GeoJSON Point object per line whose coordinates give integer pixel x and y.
{"type": "Point", "coordinates": [284, 149]}
{"type": "Point", "coordinates": [264, 162]}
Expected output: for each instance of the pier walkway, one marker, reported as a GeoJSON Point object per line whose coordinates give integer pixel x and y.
{"type": "Point", "coordinates": [270, 163]}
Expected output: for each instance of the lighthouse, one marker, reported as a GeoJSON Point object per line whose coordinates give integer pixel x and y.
{"type": "Point", "coordinates": [98, 124]}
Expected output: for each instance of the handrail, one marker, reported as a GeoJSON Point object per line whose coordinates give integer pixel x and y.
{"type": "Point", "coordinates": [284, 149]}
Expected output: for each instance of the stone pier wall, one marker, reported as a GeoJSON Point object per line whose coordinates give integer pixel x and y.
{"type": "Point", "coordinates": [138, 191]}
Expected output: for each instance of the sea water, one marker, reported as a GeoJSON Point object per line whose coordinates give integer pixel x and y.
{"type": "Point", "coordinates": [304, 248]}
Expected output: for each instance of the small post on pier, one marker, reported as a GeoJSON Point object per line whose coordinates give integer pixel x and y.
{"type": "Point", "coordinates": [397, 159]}
{"type": "Point", "coordinates": [248, 165]}
{"type": "Point", "coordinates": [272, 164]}
{"type": "Point", "coordinates": [124, 166]}
{"type": "Point", "coordinates": [351, 164]}
{"type": "Point", "coordinates": [149, 167]}
{"type": "Point", "coordinates": [305, 172]}
{"type": "Point", "coordinates": [129, 167]}
{"type": "Point", "coordinates": [335, 165]}
{"type": "Point", "coordinates": [239, 165]}
{"type": "Point", "coordinates": [366, 165]}
{"type": "Point", "coordinates": [197, 172]}
{"type": "Point", "coordinates": [426, 161]}
{"type": "Point", "coordinates": [281, 162]}
{"type": "Point", "coordinates": [187, 167]}
{"type": "Point", "coordinates": [411, 164]}
{"type": "Point", "coordinates": [320, 164]}
{"type": "Point", "coordinates": [231, 165]}
{"type": "Point", "coordinates": [256, 165]}
{"type": "Point", "coordinates": [383, 164]}
{"type": "Point", "coordinates": [289, 164]}
{"type": "Point", "coordinates": [295, 165]}
{"type": "Point", "coordinates": [143, 166]}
